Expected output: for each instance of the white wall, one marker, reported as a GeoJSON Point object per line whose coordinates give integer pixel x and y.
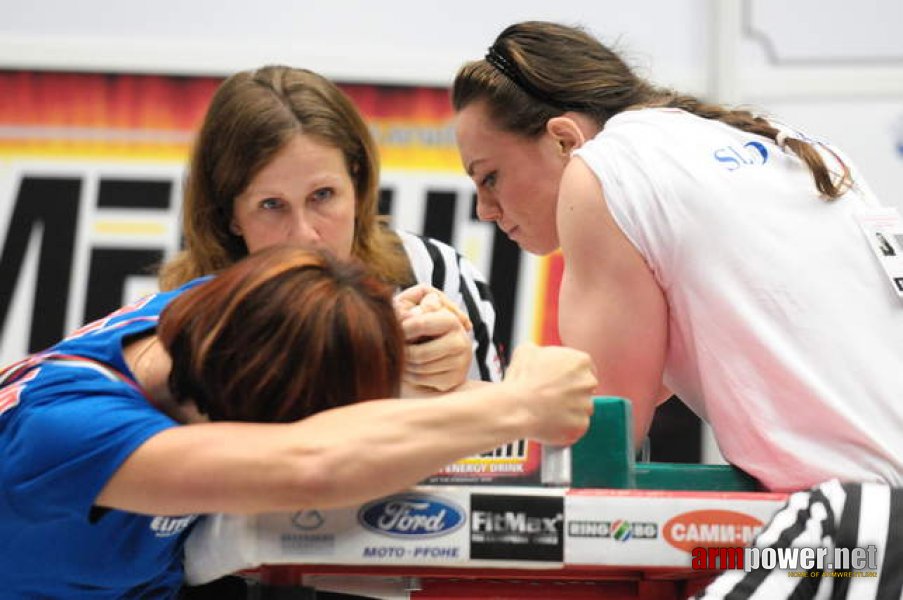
{"type": "Point", "coordinates": [391, 40]}
{"type": "Point", "coordinates": [832, 68]}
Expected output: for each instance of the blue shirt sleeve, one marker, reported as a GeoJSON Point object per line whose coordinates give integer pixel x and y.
{"type": "Point", "coordinates": [62, 448]}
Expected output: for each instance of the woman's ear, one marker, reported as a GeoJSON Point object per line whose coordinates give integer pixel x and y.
{"type": "Point", "coordinates": [566, 132]}
{"type": "Point", "coordinates": [571, 130]}
{"type": "Point", "coordinates": [234, 227]}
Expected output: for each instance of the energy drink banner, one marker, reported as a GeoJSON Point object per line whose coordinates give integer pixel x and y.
{"type": "Point", "coordinates": [91, 174]}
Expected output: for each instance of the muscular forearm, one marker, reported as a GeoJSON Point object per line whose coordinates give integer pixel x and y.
{"type": "Point", "coordinates": [416, 391]}
{"type": "Point", "coordinates": [346, 455]}
{"type": "Point", "coordinates": [335, 458]}
{"type": "Point", "coordinates": [391, 444]}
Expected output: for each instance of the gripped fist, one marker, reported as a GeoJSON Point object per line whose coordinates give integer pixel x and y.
{"type": "Point", "coordinates": [438, 345]}
{"type": "Point", "coordinates": [554, 385]}
{"type": "Point", "coordinates": [421, 298]}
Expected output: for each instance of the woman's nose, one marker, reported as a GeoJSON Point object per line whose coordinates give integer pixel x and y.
{"type": "Point", "coordinates": [304, 233]}
{"type": "Point", "coordinates": [487, 208]}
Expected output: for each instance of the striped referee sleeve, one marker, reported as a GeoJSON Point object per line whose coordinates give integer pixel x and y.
{"type": "Point", "coordinates": [440, 266]}
{"type": "Point", "coordinates": [833, 515]}
{"type": "Point", "coordinates": [478, 301]}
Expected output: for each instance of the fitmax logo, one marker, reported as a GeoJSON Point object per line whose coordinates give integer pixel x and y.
{"type": "Point", "coordinates": [513, 522]}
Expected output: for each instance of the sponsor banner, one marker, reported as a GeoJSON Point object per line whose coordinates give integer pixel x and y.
{"type": "Point", "coordinates": [643, 528]}
{"type": "Point", "coordinates": [501, 527]}
{"type": "Point", "coordinates": [425, 526]}
{"type": "Point", "coordinates": [517, 527]}
{"type": "Point", "coordinates": [711, 527]}
{"type": "Point", "coordinates": [91, 172]}
{"type": "Point", "coordinates": [516, 463]}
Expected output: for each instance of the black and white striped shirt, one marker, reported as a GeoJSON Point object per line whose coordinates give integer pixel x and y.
{"type": "Point", "coordinates": [832, 515]}
{"type": "Point", "coordinates": [440, 266]}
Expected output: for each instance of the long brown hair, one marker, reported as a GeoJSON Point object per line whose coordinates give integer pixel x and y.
{"type": "Point", "coordinates": [537, 70]}
{"type": "Point", "coordinates": [251, 117]}
{"type": "Point", "coordinates": [281, 335]}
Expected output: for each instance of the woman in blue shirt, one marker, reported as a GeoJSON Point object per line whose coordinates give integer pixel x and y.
{"type": "Point", "coordinates": [115, 438]}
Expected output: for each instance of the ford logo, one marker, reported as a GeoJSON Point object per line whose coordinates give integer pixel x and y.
{"type": "Point", "coordinates": [411, 516]}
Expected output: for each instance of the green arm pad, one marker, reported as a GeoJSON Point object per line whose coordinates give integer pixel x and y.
{"type": "Point", "coordinates": [604, 458]}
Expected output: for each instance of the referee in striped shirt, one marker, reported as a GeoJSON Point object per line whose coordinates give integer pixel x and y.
{"type": "Point", "coordinates": [832, 515]}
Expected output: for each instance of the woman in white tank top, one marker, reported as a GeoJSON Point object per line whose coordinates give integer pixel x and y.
{"type": "Point", "coordinates": [709, 252]}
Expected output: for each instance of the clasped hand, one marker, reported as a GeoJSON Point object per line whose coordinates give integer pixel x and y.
{"type": "Point", "coordinates": [439, 347]}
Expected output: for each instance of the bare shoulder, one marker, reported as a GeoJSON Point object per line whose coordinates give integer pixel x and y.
{"type": "Point", "coordinates": [610, 304]}
{"type": "Point", "coordinates": [589, 236]}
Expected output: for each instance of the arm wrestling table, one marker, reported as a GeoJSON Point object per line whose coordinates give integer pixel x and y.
{"type": "Point", "coordinates": [619, 530]}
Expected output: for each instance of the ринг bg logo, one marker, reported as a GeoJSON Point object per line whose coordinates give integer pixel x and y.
{"type": "Point", "coordinates": [411, 516]}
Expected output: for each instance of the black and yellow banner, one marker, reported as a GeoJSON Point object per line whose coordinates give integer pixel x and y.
{"type": "Point", "coordinates": [91, 172]}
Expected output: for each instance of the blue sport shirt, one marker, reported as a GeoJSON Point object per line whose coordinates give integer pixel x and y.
{"type": "Point", "coordinates": [69, 417]}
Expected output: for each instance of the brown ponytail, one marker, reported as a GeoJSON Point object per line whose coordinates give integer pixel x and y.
{"type": "Point", "coordinates": [537, 70]}
{"type": "Point", "coordinates": [830, 185]}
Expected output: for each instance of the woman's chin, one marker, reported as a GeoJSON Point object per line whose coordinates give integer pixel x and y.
{"type": "Point", "coordinates": [537, 247]}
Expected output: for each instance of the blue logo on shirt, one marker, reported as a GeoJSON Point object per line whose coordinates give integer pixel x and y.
{"type": "Point", "coordinates": [750, 153]}
{"type": "Point", "coordinates": [169, 526]}
{"type": "Point", "coordinates": [411, 516]}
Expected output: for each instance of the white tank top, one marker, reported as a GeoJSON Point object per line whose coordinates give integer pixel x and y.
{"type": "Point", "coordinates": [784, 334]}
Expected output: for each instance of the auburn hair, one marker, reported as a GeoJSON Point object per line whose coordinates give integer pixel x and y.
{"type": "Point", "coordinates": [281, 335]}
